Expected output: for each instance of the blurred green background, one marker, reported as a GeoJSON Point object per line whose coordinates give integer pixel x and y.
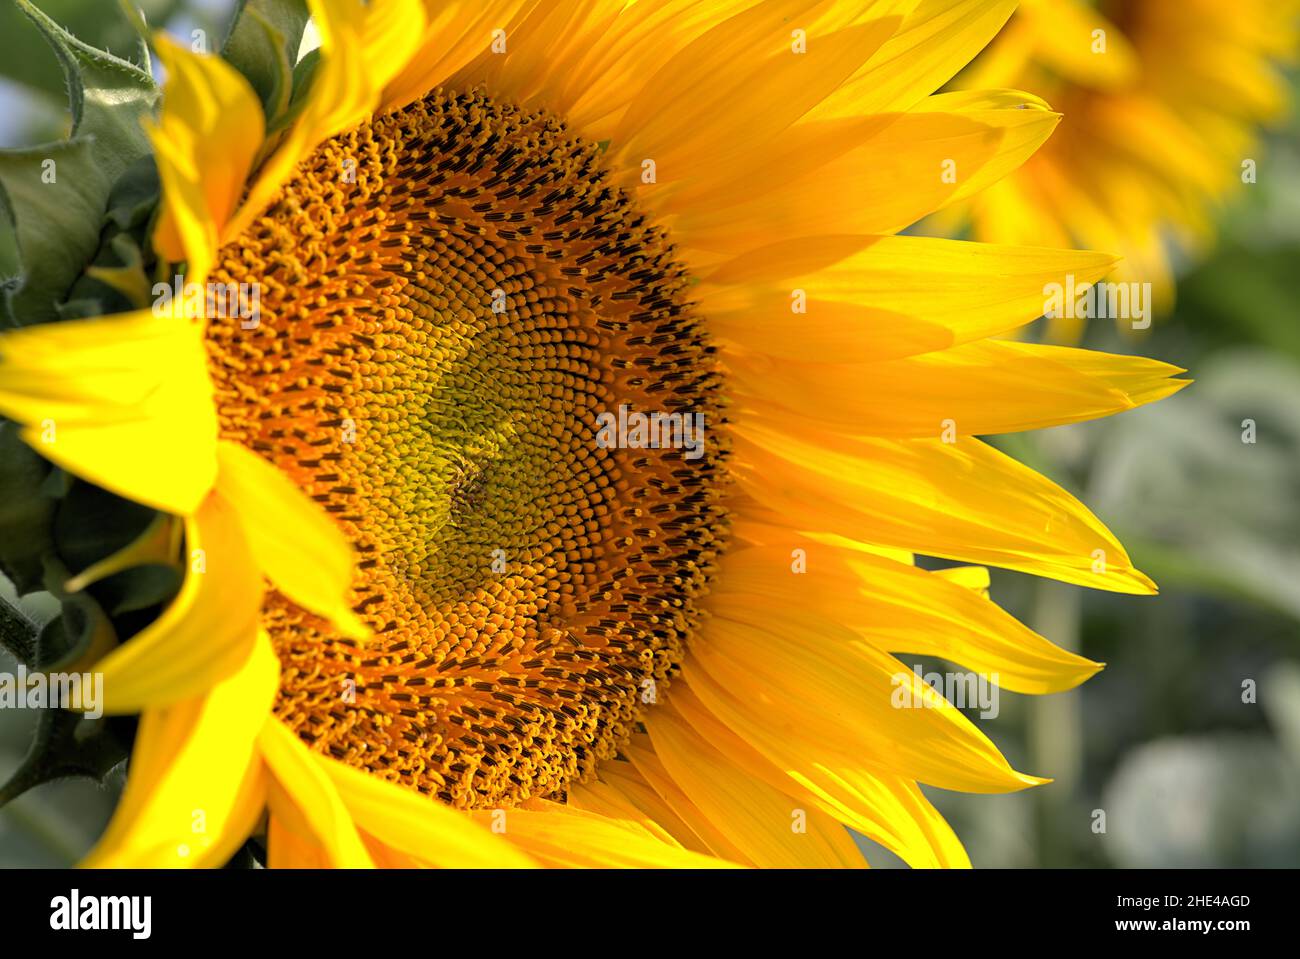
{"type": "Point", "coordinates": [1186, 773]}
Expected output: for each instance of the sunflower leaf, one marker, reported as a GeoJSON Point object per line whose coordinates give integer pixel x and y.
{"type": "Point", "coordinates": [108, 95]}
{"type": "Point", "coordinates": [55, 195]}
{"type": "Point", "coordinates": [263, 46]}
{"type": "Point", "coordinates": [54, 200]}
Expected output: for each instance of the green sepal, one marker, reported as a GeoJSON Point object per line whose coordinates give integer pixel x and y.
{"type": "Point", "coordinates": [138, 588]}
{"type": "Point", "coordinates": [66, 744]}
{"type": "Point", "coordinates": [135, 195]}
{"type": "Point", "coordinates": [26, 510]}
{"type": "Point", "coordinates": [127, 279]}
{"type": "Point", "coordinates": [81, 624]}
{"type": "Point", "coordinates": [92, 524]}
{"type": "Point", "coordinates": [57, 484]}
{"type": "Point", "coordinates": [303, 74]}
{"type": "Point", "coordinates": [18, 634]}
{"type": "Point", "coordinates": [55, 195]}
{"type": "Point", "coordinates": [117, 279]}
{"type": "Point", "coordinates": [263, 46]}
{"type": "Point", "coordinates": [80, 309]}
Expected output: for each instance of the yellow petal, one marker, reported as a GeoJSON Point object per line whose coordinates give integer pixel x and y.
{"type": "Point", "coordinates": [974, 578]}
{"type": "Point", "coordinates": [772, 828]}
{"type": "Point", "coordinates": [544, 42]}
{"type": "Point", "coordinates": [558, 835]}
{"type": "Point", "coordinates": [122, 401]}
{"type": "Point", "coordinates": [417, 825]}
{"type": "Point", "coordinates": [888, 809]}
{"type": "Point", "coordinates": [388, 857]}
{"type": "Point", "coordinates": [798, 152]}
{"type": "Point", "coordinates": [648, 768]}
{"type": "Point", "coordinates": [757, 90]}
{"type": "Point", "coordinates": [303, 797]}
{"type": "Point", "coordinates": [454, 35]}
{"type": "Point", "coordinates": [594, 91]}
{"type": "Point", "coordinates": [935, 41]}
{"type": "Point", "coordinates": [624, 779]}
{"type": "Point", "coordinates": [1014, 211]}
{"type": "Point", "coordinates": [205, 141]}
{"type": "Point", "coordinates": [295, 543]}
{"type": "Point", "coordinates": [205, 633]}
{"type": "Point", "coordinates": [287, 849]}
{"type": "Point", "coordinates": [195, 785]}
{"type": "Point", "coordinates": [1065, 41]}
{"type": "Point", "coordinates": [606, 800]}
{"type": "Point", "coordinates": [697, 70]}
{"type": "Point", "coordinates": [902, 609]}
{"type": "Point", "coordinates": [962, 500]}
{"type": "Point", "coordinates": [976, 389]}
{"type": "Point", "coordinates": [770, 668]}
{"type": "Point", "coordinates": [948, 148]}
{"type": "Point", "coordinates": [363, 46]}
{"type": "Point", "coordinates": [1060, 36]}
{"type": "Point", "coordinates": [897, 296]}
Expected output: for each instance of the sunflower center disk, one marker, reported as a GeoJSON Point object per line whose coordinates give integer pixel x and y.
{"type": "Point", "coordinates": [450, 298]}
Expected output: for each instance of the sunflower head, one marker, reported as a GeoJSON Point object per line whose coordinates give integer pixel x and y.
{"type": "Point", "coordinates": [438, 338]}
{"type": "Point", "coordinates": [538, 414]}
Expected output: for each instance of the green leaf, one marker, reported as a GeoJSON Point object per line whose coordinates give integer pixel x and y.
{"type": "Point", "coordinates": [99, 23]}
{"type": "Point", "coordinates": [263, 46]}
{"type": "Point", "coordinates": [55, 196]}
{"type": "Point", "coordinates": [54, 199]}
{"type": "Point", "coordinates": [109, 96]}
{"type": "Point", "coordinates": [117, 278]}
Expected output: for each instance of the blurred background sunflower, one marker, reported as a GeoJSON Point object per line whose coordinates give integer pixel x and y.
{"type": "Point", "coordinates": [1164, 727]}
{"type": "Point", "coordinates": [1164, 106]}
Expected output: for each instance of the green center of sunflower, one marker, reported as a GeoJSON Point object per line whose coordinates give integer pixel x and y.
{"type": "Point", "coordinates": [451, 296]}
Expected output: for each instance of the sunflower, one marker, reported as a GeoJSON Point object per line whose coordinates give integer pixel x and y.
{"type": "Point", "coordinates": [428, 617]}
{"type": "Point", "coordinates": [1162, 105]}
